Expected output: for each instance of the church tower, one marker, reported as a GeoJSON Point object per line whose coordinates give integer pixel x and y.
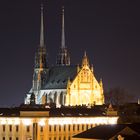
{"type": "Point", "coordinates": [40, 66]}
{"type": "Point", "coordinates": [63, 58]}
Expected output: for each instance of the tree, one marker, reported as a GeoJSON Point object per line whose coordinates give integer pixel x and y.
{"type": "Point", "coordinates": [117, 96]}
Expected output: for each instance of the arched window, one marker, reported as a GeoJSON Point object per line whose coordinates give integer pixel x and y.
{"type": "Point", "coordinates": [55, 97]}
{"type": "Point", "coordinates": [50, 98]}
{"type": "Point", "coordinates": [46, 98]}
{"type": "Point", "coordinates": [61, 98]}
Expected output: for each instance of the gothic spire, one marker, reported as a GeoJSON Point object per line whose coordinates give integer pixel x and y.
{"type": "Point", "coordinates": [63, 55]}
{"type": "Point", "coordinates": [63, 30]}
{"type": "Point", "coordinates": [42, 28]}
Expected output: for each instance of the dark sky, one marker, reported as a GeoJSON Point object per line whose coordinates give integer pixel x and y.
{"type": "Point", "coordinates": [109, 31]}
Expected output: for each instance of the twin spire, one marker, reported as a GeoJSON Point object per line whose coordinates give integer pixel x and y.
{"type": "Point", "coordinates": [42, 29]}
{"type": "Point", "coordinates": [63, 56]}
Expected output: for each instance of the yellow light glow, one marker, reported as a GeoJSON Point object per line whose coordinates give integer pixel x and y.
{"type": "Point", "coordinates": [9, 121]}
{"type": "Point", "coordinates": [16, 121]}
{"type": "Point", "coordinates": [41, 122]}
{"type": "Point", "coordinates": [3, 121]}
{"type": "Point", "coordinates": [84, 120]}
{"type": "Point", "coordinates": [26, 121]}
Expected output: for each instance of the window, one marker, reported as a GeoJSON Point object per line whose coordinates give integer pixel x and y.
{"type": "Point", "coordinates": [17, 128]}
{"type": "Point", "coordinates": [87, 126]}
{"type": "Point", "coordinates": [82, 126]}
{"type": "Point", "coordinates": [10, 138]}
{"type": "Point", "coordinates": [69, 127]}
{"type": "Point", "coordinates": [50, 128]}
{"type": "Point", "coordinates": [10, 128]}
{"type": "Point", "coordinates": [78, 127]}
{"type": "Point", "coordinates": [28, 128]}
{"type": "Point", "coordinates": [17, 138]}
{"type": "Point", "coordinates": [41, 128]}
{"type": "Point", "coordinates": [74, 127]}
{"type": "Point", "coordinates": [91, 126]}
{"type": "Point", "coordinates": [3, 138]}
{"type": "Point", "coordinates": [3, 127]}
{"type": "Point", "coordinates": [54, 127]}
{"type": "Point", "coordinates": [59, 127]}
{"type": "Point", "coordinates": [64, 127]}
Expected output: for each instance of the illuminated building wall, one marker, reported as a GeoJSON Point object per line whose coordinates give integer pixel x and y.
{"type": "Point", "coordinates": [47, 128]}
{"type": "Point", "coordinates": [84, 89]}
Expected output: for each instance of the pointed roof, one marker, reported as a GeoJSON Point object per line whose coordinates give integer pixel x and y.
{"type": "Point", "coordinates": [63, 57]}
{"type": "Point", "coordinates": [42, 28]}
{"type": "Point", "coordinates": [85, 61]}
{"type": "Point", "coordinates": [63, 30]}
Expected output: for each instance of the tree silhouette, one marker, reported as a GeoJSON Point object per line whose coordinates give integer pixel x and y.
{"type": "Point", "coordinates": [117, 96]}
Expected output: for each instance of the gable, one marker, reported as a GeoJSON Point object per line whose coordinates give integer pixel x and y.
{"type": "Point", "coordinates": [86, 79]}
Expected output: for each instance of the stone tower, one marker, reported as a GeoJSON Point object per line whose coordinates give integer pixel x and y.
{"type": "Point", "coordinates": [40, 66]}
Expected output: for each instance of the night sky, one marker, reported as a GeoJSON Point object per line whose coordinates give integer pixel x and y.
{"type": "Point", "coordinates": [109, 31]}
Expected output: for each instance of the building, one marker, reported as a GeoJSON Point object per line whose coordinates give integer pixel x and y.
{"type": "Point", "coordinates": [39, 123]}
{"type": "Point", "coordinates": [60, 102]}
{"type": "Point", "coordinates": [112, 132]}
{"type": "Point", "coordinates": [63, 84]}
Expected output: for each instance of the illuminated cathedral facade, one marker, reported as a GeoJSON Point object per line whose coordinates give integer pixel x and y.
{"type": "Point", "coordinates": [63, 84]}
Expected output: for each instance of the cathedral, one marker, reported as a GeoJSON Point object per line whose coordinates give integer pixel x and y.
{"type": "Point", "coordinates": [63, 84]}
